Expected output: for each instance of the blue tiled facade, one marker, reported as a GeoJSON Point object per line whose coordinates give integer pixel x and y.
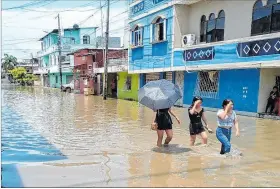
{"type": "Point", "coordinates": [152, 55]}
{"type": "Point", "coordinates": [235, 80]}
{"type": "Point", "coordinates": [253, 51]}
{"type": "Point", "coordinates": [144, 6]}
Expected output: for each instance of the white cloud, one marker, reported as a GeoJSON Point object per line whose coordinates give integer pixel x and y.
{"type": "Point", "coordinates": [30, 26]}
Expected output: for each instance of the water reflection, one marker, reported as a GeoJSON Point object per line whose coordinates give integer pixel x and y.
{"type": "Point", "coordinates": [114, 136]}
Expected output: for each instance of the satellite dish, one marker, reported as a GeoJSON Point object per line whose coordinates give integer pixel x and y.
{"type": "Point", "coordinates": [75, 26]}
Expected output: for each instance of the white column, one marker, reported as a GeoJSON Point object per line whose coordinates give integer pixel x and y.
{"type": "Point", "coordinates": [151, 33]}
{"type": "Point", "coordinates": [164, 29]}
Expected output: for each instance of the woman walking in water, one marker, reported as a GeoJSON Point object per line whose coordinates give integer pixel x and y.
{"type": "Point", "coordinates": [196, 113]}
{"type": "Point", "coordinates": [164, 123]}
{"type": "Point", "coordinates": [226, 120]}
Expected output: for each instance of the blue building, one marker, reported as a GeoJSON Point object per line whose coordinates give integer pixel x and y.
{"type": "Point", "coordinates": [72, 39]}
{"type": "Point", "coordinates": [214, 49]}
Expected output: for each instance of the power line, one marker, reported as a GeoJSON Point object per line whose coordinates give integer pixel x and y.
{"type": "Point", "coordinates": [28, 4]}
{"type": "Point", "coordinates": [29, 41]}
{"type": "Point", "coordinates": [19, 39]}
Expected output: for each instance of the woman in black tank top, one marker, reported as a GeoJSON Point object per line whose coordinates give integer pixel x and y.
{"type": "Point", "coordinates": [196, 113]}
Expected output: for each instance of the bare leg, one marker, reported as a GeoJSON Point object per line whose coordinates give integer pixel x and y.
{"type": "Point", "coordinates": [192, 140]}
{"type": "Point", "coordinates": [204, 137]}
{"type": "Point", "coordinates": [169, 134]}
{"type": "Point", "coordinates": [160, 137]}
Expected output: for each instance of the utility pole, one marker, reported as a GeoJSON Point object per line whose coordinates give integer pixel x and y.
{"type": "Point", "coordinates": [59, 51]}
{"type": "Point", "coordinates": [102, 34]}
{"type": "Point", "coordinates": [32, 61]}
{"type": "Point", "coordinates": [106, 53]}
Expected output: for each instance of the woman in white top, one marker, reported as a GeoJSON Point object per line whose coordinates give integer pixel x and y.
{"type": "Point", "coordinates": [226, 120]}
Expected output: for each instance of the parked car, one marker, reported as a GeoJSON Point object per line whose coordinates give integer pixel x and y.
{"type": "Point", "coordinates": [68, 87]}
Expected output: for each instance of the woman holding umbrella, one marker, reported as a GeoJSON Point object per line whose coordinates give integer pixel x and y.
{"type": "Point", "coordinates": [160, 96]}
{"type": "Point", "coordinates": [164, 123]}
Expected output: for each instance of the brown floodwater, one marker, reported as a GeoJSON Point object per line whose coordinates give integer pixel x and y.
{"type": "Point", "coordinates": [114, 137]}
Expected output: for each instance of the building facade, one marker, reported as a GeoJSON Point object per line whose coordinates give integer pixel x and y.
{"type": "Point", "coordinates": [72, 39]}
{"type": "Point", "coordinates": [213, 49]}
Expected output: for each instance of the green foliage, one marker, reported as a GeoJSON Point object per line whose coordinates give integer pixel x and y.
{"type": "Point", "coordinates": [8, 62]}
{"type": "Point", "coordinates": [21, 76]}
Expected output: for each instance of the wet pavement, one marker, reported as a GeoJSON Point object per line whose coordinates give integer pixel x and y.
{"type": "Point", "coordinates": [83, 141]}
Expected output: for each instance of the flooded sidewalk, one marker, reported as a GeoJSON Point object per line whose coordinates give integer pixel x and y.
{"type": "Point", "coordinates": [109, 143]}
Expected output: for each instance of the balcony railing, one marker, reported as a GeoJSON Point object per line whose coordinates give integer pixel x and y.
{"type": "Point", "coordinates": [117, 61]}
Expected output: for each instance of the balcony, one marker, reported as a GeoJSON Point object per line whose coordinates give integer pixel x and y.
{"type": "Point", "coordinates": [114, 65]}
{"type": "Point", "coordinates": [40, 70]}
{"type": "Point", "coordinates": [66, 68]}
{"type": "Point", "coordinates": [251, 52]}
{"type": "Point", "coordinates": [65, 48]}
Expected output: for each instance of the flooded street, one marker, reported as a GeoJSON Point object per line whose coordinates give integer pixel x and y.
{"type": "Point", "coordinates": [109, 143]}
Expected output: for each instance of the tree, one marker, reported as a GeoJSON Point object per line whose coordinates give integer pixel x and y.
{"type": "Point", "coordinates": [21, 76]}
{"type": "Point", "coordinates": [8, 62]}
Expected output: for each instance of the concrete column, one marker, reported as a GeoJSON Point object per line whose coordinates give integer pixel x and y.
{"type": "Point", "coordinates": [142, 80]}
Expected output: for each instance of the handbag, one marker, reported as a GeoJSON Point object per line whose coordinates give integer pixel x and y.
{"type": "Point", "coordinates": [154, 126]}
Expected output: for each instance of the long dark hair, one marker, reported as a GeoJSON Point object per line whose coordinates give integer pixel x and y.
{"type": "Point", "coordinates": [226, 102]}
{"type": "Point", "coordinates": [196, 98]}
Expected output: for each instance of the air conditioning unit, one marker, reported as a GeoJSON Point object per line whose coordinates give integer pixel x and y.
{"type": "Point", "coordinates": [188, 40]}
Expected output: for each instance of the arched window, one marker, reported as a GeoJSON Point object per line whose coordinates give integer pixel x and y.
{"type": "Point", "coordinates": [258, 4]}
{"type": "Point", "coordinates": [158, 29]}
{"type": "Point", "coordinates": [136, 36]}
{"type": "Point", "coordinates": [86, 39]}
{"type": "Point", "coordinates": [220, 26]}
{"type": "Point", "coordinates": [271, 2]}
{"type": "Point", "coordinates": [265, 19]}
{"type": "Point", "coordinates": [275, 18]}
{"type": "Point", "coordinates": [203, 26]}
{"type": "Point", "coordinates": [211, 26]}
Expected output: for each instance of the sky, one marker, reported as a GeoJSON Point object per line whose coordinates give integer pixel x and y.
{"type": "Point", "coordinates": [25, 22]}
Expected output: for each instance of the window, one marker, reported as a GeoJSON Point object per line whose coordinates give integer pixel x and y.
{"type": "Point", "coordinates": [207, 84]}
{"type": "Point", "coordinates": [220, 26]}
{"type": "Point", "coordinates": [86, 39]}
{"type": "Point", "coordinates": [137, 34]}
{"type": "Point", "coordinates": [265, 19]}
{"type": "Point", "coordinates": [159, 30]}
{"type": "Point", "coordinates": [203, 26]}
{"type": "Point", "coordinates": [211, 25]}
{"type": "Point", "coordinates": [214, 28]}
{"type": "Point", "coordinates": [275, 20]}
{"type": "Point", "coordinates": [127, 85]}
{"type": "Point", "coordinates": [63, 58]}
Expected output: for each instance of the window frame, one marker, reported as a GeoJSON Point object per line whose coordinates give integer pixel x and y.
{"type": "Point", "coordinates": [137, 33]}
{"type": "Point", "coordinates": [87, 39]}
{"type": "Point", "coordinates": [128, 80]}
{"type": "Point", "coordinates": [158, 29]}
{"type": "Point", "coordinates": [213, 34]}
{"type": "Point", "coordinates": [259, 5]}
{"type": "Point", "coordinates": [203, 29]}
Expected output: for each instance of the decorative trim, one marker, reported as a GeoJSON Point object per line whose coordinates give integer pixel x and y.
{"type": "Point", "coordinates": [134, 3]}
{"type": "Point", "coordinates": [228, 66]}
{"type": "Point", "coordinates": [239, 40]}
{"type": "Point", "coordinates": [198, 54]}
{"type": "Point", "coordinates": [259, 48]}
{"type": "Point", "coordinates": [152, 11]}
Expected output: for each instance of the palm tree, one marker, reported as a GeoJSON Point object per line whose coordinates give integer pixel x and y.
{"type": "Point", "coordinates": [8, 62]}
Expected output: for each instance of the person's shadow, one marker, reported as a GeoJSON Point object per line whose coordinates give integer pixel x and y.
{"type": "Point", "coordinates": [171, 149]}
